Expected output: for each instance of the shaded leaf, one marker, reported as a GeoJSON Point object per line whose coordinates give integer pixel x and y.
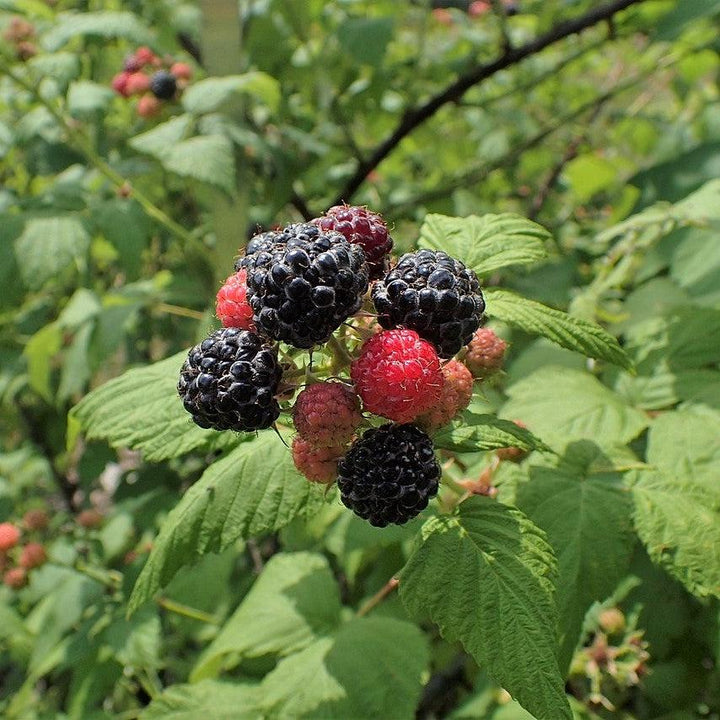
{"type": "Point", "coordinates": [208, 95]}
{"type": "Point", "coordinates": [208, 158]}
{"type": "Point", "coordinates": [104, 24]}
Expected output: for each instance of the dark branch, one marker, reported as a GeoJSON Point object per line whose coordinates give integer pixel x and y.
{"type": "Point", "coordinates": [301, 206]}
{"type": "Point", "coordinates": [416, 117]}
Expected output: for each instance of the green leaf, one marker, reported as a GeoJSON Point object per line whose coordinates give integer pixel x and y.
{"type": "Point", "coordinates": [49, 245]}
{"type": "Point", "coordinates": [136, 641]}
{"type": "Point", "coordinates": [678, 520]}
{"type": "Point", "coordinates": [205, 96]}
{"type": "Point", "coordinates": [252, 490]}
{"type": "Point", "coordinates": [39, 352]}
{"type": "Point", "coordinates": [208, 158]}
{"type": "Point", "coordinates": [366, 39]}
{"type": "Point", "coordinates": [565, 330]}
{"type": "Point", "coordinates": [589, 174]}
{"type": "Point", "coordinates": [209, 699]}
{"type": "Point", "coordinates": [372, 669]}
{"type": "Point", "coordinates": [485, 575]}
{"type": "Point", "coordinates": [294, 602]}
{"type": "Point", "coordinates": [587, 518]}
{"type": "Point", "coordinates": [141, 410]}
{"type": "Point", "coordinates": [562, 405]}
{"type": "Point", "coordinates": [69, 25]}
{"type": "Point", "coordinates": [485, 243]}
{"type": "Point", "coordinates": [158, 141]}
{"type": "Point", "coordinates": [476, 433]}
{"type": "Point", "coordinates": [86, 99]}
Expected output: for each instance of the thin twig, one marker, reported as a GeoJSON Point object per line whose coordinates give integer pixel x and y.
{"type": "Point", "coordinates": [186, 611]}
{"type": "Point", "coordinates": [419, 115]}
{"type": "Point", "coordinates": [388, 588]}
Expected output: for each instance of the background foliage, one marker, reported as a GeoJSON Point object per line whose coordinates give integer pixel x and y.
{"type": "Point", "coordinates": [115, 232]}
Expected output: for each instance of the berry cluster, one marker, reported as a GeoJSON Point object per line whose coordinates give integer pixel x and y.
{"type": "Point", "coordinates": [153, 79]}
{"type": "Point", "coordinates": [18, 559]}
{"type": "Point", "coordinates": [303, 287]}
{"type": "Point", "coordinates": [20, 34]}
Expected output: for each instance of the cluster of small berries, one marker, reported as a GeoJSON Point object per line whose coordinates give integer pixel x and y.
{"type": "Point", "coordinates": [16, 560]}
{"type": "Point", "coordinates": [152, 78]}
{"type": "Point", "coordinates": [299, 285]}
{"type": "Point", "coordinates": [475, 9]}
{"type": "Point", "coordinates": [21, 35]}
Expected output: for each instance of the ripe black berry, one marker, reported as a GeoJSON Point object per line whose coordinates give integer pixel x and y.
{"type": "Point", "coordinates": [434, 294]}
{"type": "Point", "coordinates": [229, 381]}
{"type": "Point", "coordinates": [163, 85]}
{"type": "Point", "coordinates": [389, 475]}
{"type": "Point", "coordinates": [303, 283]}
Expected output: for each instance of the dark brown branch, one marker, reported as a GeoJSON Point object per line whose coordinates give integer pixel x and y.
{"type": "Point", "coordinates": [417, 116]}
{"type": "Point", "coordinates": [301, 206]}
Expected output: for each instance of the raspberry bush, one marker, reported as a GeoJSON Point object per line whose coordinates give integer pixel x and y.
{"type": "Point", "coordinates": [365, 367]}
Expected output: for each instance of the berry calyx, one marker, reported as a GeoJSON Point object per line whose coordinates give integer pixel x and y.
{"type": "Point", "coordinates": [361, 227]}
{"type": "Point", "coordinates": [229, 381]}
{"type": "Point", "coordinates": [397, 375]}
{"type": "Point", "coordinates": [485, 353]}
{"type": "Point", "coordinates": [434, 294]}
{"type": "Point", "coordinates": [327, 414]}
{"type": "Point", "coordinates": [455, 396]}
{"type": "Point", "coordinates": [389, 475]}
{"type": "Point", "coordinates": [303, 283]}
{"type": "Point", "coordinates": [32, 555]}
{"type": "Point", "coordinates": [232, 307]}
{"type": "Point", "coordinates": [163, 85]}
{"type": "Point", "coordinates": [9, 536]}
{"type": "Point", "coordinates": [317, 464]}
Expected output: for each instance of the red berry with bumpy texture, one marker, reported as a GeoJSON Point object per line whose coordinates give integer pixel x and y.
{"type": "Point", "coordinates": [145, 56]}
{"type": "Point", "coordinates": [485, 353]}
{"type": "Point", "coordinates": [389, 475]}
{"type": "Point", "coordinates": [32, 555]}
{"type": "Point", "coordinates": [361, 227]}
{"type": "Point", "coordinates": [455, 397]}
{"type": "Point", "coordinates": [181, 70]}
{"type": "Point", "coordinates": [9, 536]}
{"type": "Point", "coordinates": [119, 83]}
{"type": "Point", "coordinates": [232, 307]}
{"type": "Point", "coordinates": [148, 106]}
{"type": "Point", "coordinates": [137, 83]}
{"type": "Point", "coordinates": [434, 294]}
{"type": "Point", "coordinates": [15, 578]}
{"type": "Point", "coordinates": [317, 464]}
{"type": "Point", "coordinates": [327, 414]}
{"type": "Point", "coordinates": [397, 375]}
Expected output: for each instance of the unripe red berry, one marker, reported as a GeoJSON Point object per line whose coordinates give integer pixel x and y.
{"type": "Point", "coordinates": [454, 398]}
{"type": "Point", "coordinates": [32, 555]}
{"type": "Point", "coordinates": [145, 56]}
{"type": "Point", "coordinates": [119, 83]}
{"type": "Point", "coordinates": [15, 578]}
{"type": "Point", "coordinates": [137, 83]}
{"type": "Point", "coordinates": [90, 518]}
{"type": "Point", "coordinates": [316, 464]}
{"type": "Point", "coordinates": [9, 536]}
{"type": "Point", "coordinates": [181, 70]}
{"type": "Point", "coordinates": [485, 353]}
{"type": "Point", "coordinates": [148, 106]}
{"type": "Point", "coordinates": [612, 621]}
{"type": "Point", "coordinates": [327, 414]}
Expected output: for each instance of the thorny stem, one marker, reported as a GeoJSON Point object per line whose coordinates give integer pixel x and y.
{"type": "Point", "coordinates": [82, 144]}
{"type": "Point", "coordinates": [386, 590]}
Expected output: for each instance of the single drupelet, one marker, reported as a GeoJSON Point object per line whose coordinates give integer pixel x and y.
{"type": "Point", "coordinates": [434, 294]}
{"type": "Point", "coordinates": [389, 475]}
{"type": "Point", "coordinates": [229, 381]}
{"type": "Point", "coordinates": [303, 283]}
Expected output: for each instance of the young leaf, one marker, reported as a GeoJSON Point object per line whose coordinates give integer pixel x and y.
{"type": "Point", "coordinates": [678, 520]}
{"type": "Point", "coordinates": [475, 433]}
{"type": "Point", "coordinates": [485, 243]}
{"type": "Point", "coordinates": [141, 410]}
{"type": "Point", "coordinates": [294, 602]}
{"type": "Point", "coordinates": [372, 668]}
{"type": "Point", "coordinates": [562, 405]}
{"type": "Point", "coordinates": [207, 158]}
{"type": "Point", "coordinates": [205, 96]}
{"type": "Point", "coordinates": [158, 141]}
{"type": "Point", "coordinates": [209, 699]}
{"type": "Point", "coordinates": [565, 330]}
{"type": "Point", "coordinates": [587, 518]}
{"type": "Point", "coordinates": [485, 575]}
{"type": "Point", "coordinates": [252, 490]}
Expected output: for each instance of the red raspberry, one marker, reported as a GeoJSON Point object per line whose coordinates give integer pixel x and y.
{"type": "Point", "coordinates": [145, 56]}
{"type": "Point", "coordinates": [316, 464]}
{"type": "Point", "coordinates": [513, 454]}
{"type": "Point", "coordinates": [479, 7]}
{"type": "Point", "coordinates": [36, 519]}
{"type": "Point", "coordinates": [90, 518]}
{"type": "Point", "coordinates": [181, 70]}
{"type": "Point", "coordinates": [327, 414]}
{"type": "Point", "coordinates": [15, 578]}
{"type": "Point", "coordinates": [119, 83]}
{"type": "Point", "coordinates": [455, 396]}
{"type": "Point", "coordinates": [485, 353]}
{"type": "Point", "coordinates": [137, 83]}
{"type": "Point", "coordinates": [361, 227]}
{"type": "Point", "coordinates": [398, 375]}
{"type": "Point", "coordinates": [232, 307]}
{"type": "Point", "coordinates": [33, 555]}
{"type": "Point", "coordinates": [9, 536]}
{"type": "Point", "coordinates": [148, 106]}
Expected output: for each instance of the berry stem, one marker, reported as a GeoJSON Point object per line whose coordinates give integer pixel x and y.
{"type": "Point", "coordinates": [389, 587]}
{"type": "Point", "coordinates": [180, 311]}
{"type": "Point", "coordinates": [341, 356]}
